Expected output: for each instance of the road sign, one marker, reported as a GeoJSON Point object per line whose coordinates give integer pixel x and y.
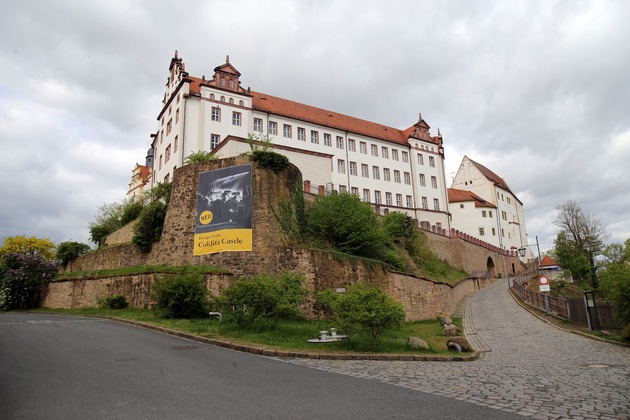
{"type": "Point", "coordinates": [543, 280]}
{"type": "Point", "coordinates": [545, 288]}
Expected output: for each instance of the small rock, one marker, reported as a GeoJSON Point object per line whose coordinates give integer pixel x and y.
{"type": "Point", "coordinates": [446, 320]}
{"type": "Point", "coordinates": [417, 343]}
{"type": "Point", "coordinates": [449, 329]}
{"type": "Point", "coordinates": [461, 341]}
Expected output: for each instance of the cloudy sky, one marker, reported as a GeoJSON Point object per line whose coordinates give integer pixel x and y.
{"type": "Point", "coordinates": [537, 91]}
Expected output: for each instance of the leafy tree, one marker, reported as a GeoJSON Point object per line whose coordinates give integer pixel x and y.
{"type": "Point", "coordinates": [69, 251]}
{"type": "Point", "coordinates": [401, 230]}
{"type": "Point", "coordinates": [181, 296]}
{"type": "Point", "coordinates": [28, 245]}
{"type": "Point", "coordinates": [148, 230]}
{"type": "Point", "coordinates": [22, 277]}
{"type": "Point", "coordinates": [112, 216]}
{"type": "Point", "coordinates": [570, 258]}
{"type": "Point", "coordinates": [161, 192]}
{"type": "Point", "coordinates": [614, 278]}
{"type": "Point", "coordinates": [584, 233]}
{"type": "Point", "coordinates": [347, 224]}
{"type": "Point", "coordinates": [199, 157]}
{"type": "Point", "coordinates": [363, 309]}
{"type": "Point", "coordinates": [263, 296]}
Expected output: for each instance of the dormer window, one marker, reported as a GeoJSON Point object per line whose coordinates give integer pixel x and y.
{"type": "Point", "coordinates": [222, 82]}
{"type": "Point", "coordinates": [231, 84]}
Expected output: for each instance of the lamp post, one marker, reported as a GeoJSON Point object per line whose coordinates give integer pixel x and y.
{"type": "Point", "coordinates": [521, 252]}
{"type": "Point", "coordinates": [523, 249]}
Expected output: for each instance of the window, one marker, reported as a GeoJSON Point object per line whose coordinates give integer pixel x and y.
{"type": "Point", "coordinates": [399, 200]}
{"type": "Point", "coordinates": [273, 128]}
{"type": "Point", "coordinates": [377, 197]}
{"type": "Point", "coordinates": [483, 213]}
{"type": "Point", "coordinates": [396, 176]}
{"type": "Point", "coordinates": [314, 137]}
{"type": "Point", "coordinates": [341, 166]}
{"type": "Point", "coordinates": [436, 204]}
{"type": "Point", "coordinates": [231, 100]}
{"type": "Point", "coordinates": [222, 98]}
{"type": "Point", "coordinates": [160, 161]}
{"type": "Point", "coordinates": [355, 191]}
{"type": "Point", "coordinates": [339, 142]}
{"type": "Point", "coordinates": [425, 204]}
{"type": "Point", "coordinates": [386, 174]}
{"type": "Point", "coordinates": [420, 159]}
{"type": "Point", "coordinates": [177, 116]}
{"type": "Point", "coordinates": [342, 189]}
{"type": "Point", "coordinates": [432, 161]}
{"type": "Point", "coordinates": [241, 103]}
{"type": "Point", "coordinates": [301, 133]}
{"type": "Point", "coordinates": [167, 178]}
{"type": "Point", "coordinates": [366, 195]}
{"type": "Point", "coordinates": [214, 141]}
{"type": "Point", "coordinates": [236, 118]}
{"type": "Point", "coordinates": [408, 201]}
{"type": "Point", "coordinates": [223, 81]}
{"type": "Point", "coordinates": [434, 182]}
{"type": "Point", "coordinates": [489, 213]}
{"type": "Point", "coordinates": [212, 96]}
{"type": "Point", "coordinates": [364, 171]}
{"type": "Point", "coordinates": [461, 206]}
{"type": "Point", "coordinates": [216, 114]}
{"type": "Point", "coordinates": [405, 157]}
{"type": "Point", "coordinates": [481, 232]}
{"type": "Point", "coordinates": [353, 168]}
{"type": "Point", "coordinates": [374, 150]}
{"type": "Point", "coordinates": [286, 131]}
{"type": "Point", "coordinates": [161, 136]}
{"type": "Point", "coordinates": [407, 178]}
{"type": "Point", "coordinates": [503, 215]}
{"type": "Point", "coordinates": [385, 152]}
{"type": "Point", "coordinates": [423, 182]}
{"type": "Point", "coordinates": [176, 144]}
{"type": "Point", "coordinates": [178, 98]}
{"type": "Point", "coordinates": [394, 154]}
{"type": "Point", "coordinates": [257, 125]}
{"type": "Point", "coordinates": [170, 108]}
{"type": "Point", "coordinates": [494, 232]}
{"type": "Point", "coordinates": [351, 145]}
{"type": "Point", "coordinates": [231, 84]}
{"type": "Point", "coordinates": [169, 126]}
{"type": "Point", "coordinates": [375, 172]}
{"type": "Point", "coordinates": [363, 148]}
{"type": "Point", "coordinates": [388, 198]}
{"type": "Point", "coordinates": [502, 233]}
{"type": "Point", "coordinates": [167, 153]}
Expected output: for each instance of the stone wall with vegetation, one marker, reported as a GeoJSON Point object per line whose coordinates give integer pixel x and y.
{"type": "Point", "coordinates": [271, 253]}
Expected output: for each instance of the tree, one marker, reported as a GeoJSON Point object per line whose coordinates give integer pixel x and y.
{"type": "Point", "coordinates": [584, 232]}
{"type": "Point", "coordinates": [69, 251]}
{"type": "Point", "coordinates": [148, 230]}
{"type": "Point", "coordinates": [364, 309]}
{"type": "Point", "coordinates": [344, 222]}
{"type": "Point", "coordinates": [22, 277]}
{"type": "Point", "coordinates": [570, 258]}
{"type": "Point", "coordinates": [28, 245]}
{"type": "Point", "coordinates": [112, 216]}
{"type": "Point", "coordinates": [614, 279]}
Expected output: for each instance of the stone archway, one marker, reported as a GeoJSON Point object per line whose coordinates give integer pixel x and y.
{"type": "Point", "coordinates": [491, 268]}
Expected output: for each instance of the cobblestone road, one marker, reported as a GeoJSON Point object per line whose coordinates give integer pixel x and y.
{"type": "Point", "coordinates": [528, 367]}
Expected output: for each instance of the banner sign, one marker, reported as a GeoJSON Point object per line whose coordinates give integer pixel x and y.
{"type": "Point", "coordinates": [224, 210]}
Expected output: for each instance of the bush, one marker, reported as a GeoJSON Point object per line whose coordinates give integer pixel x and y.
{"type": "Point", "coordinates": [401, 230]}
{"type": "Point", "coordinates": [395, 260]}
{"type": "Point", "coordinates": [131, 211]}
{"type": "Point", "coordinates": [347, 224]}
{"type": "Point", "coordinates": [117, 301]}
{"type": "Point", "coordinates": [181, 296]}
{"type": "Point", "coordinates": [199, 157]}
{"type": "Point", "coordinates": [251, 299]}
{"type": "Point", "coordinates": [148, 230]}
{"type": "Point", "coordinates": [271, 160]}
{"type": "Point", "coordinates": [70, 251]}
{"type": "Point", "coordinates": [22, 278]}
{"type": "Point", "coordinates": [362, 309]}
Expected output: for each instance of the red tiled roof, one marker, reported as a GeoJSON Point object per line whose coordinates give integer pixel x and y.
{"type": "Point", "coordinates": [547, 261]}
{"type": "Point", "coordinates": [286, 108]}
{"type": "Point", "coordinates": [458, 196]}
{"type": "Point", "coordinates": [491, 176]}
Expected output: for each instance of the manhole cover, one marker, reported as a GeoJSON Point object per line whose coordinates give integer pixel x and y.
{"type": "Point", "coordinates": [186, 347]}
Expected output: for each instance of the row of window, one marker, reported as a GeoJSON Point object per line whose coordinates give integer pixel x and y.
{"type": "Point", "coordinates": [376, 173]}
{"type": "Point", "coordinates": [215, 115]}
{"type": "Point", "coordinates": [378, 198]}
{"type": "Point", "coordinates": [482, 232]}
{"type": "Point", "coordinates": [230, 101]}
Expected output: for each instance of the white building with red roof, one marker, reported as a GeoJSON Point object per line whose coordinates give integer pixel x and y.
{"type": "Point", "coordinates": [484, 206]}
{"type": "Point", "coordinates": [393, 169]}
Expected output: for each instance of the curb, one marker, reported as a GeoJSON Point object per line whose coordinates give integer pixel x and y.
{"type": "Point", "coordinates": [592, 337]}
{"type": "Point", "coordinates": [263, 351]}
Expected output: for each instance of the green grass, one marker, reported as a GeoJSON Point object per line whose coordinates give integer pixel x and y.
{"type": "Point", "coordinates": [143, 269]}
{"type": "Point", "coordinates": [286, 334]}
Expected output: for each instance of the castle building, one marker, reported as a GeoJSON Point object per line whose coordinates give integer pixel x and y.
{"type": "Point", "coordinates": [393, 169]}
{"type": "Point", "coordinates": [484, 206]}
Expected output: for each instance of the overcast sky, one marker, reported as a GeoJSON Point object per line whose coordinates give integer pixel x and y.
{"type": "Point", "coordinates": [537, 91]}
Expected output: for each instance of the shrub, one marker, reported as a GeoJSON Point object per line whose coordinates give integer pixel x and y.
{"type": "Point", "coordinates": [200, 156]}
{"type": "Point", "coordinates": [181, 296]}
{"type": "Point", "coordinates": [625, 333]}
{"type": "Point", "coordinates": [117, 301]}
{"type": "Point", "coordinates": [362, 309]}
{"type": "Point", "coordinates": [28, 245]}
{"type": "Point", "coordinates": [22, 278]}
{"type": "Point", "coordinates": [131, 211]}
{"type": "Point", "coordinates": [401, 230]}
{"type": "Point", "coordinates": [148, 230]}
{"type": "Point", "coordinates": [347, 224]}
{"type": "Point", "coordinates": [69, 251]}
{"type": "Point", "coordinates": [263, 296]}
{"type": "Point", "coordinates": [271, 160]}
{"type": "Point", "coordinates": [395, 260]}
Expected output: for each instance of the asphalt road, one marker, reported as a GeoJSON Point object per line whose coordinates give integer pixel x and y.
{"type": "Point", "coordinates": [62, 367]}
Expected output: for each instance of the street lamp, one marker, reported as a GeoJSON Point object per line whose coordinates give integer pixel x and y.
{"type": "Point", "coordinates": [523, 249]}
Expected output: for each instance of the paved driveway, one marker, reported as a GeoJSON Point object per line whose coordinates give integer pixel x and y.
{"type": "Point", "coordinates": [528, 367]}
